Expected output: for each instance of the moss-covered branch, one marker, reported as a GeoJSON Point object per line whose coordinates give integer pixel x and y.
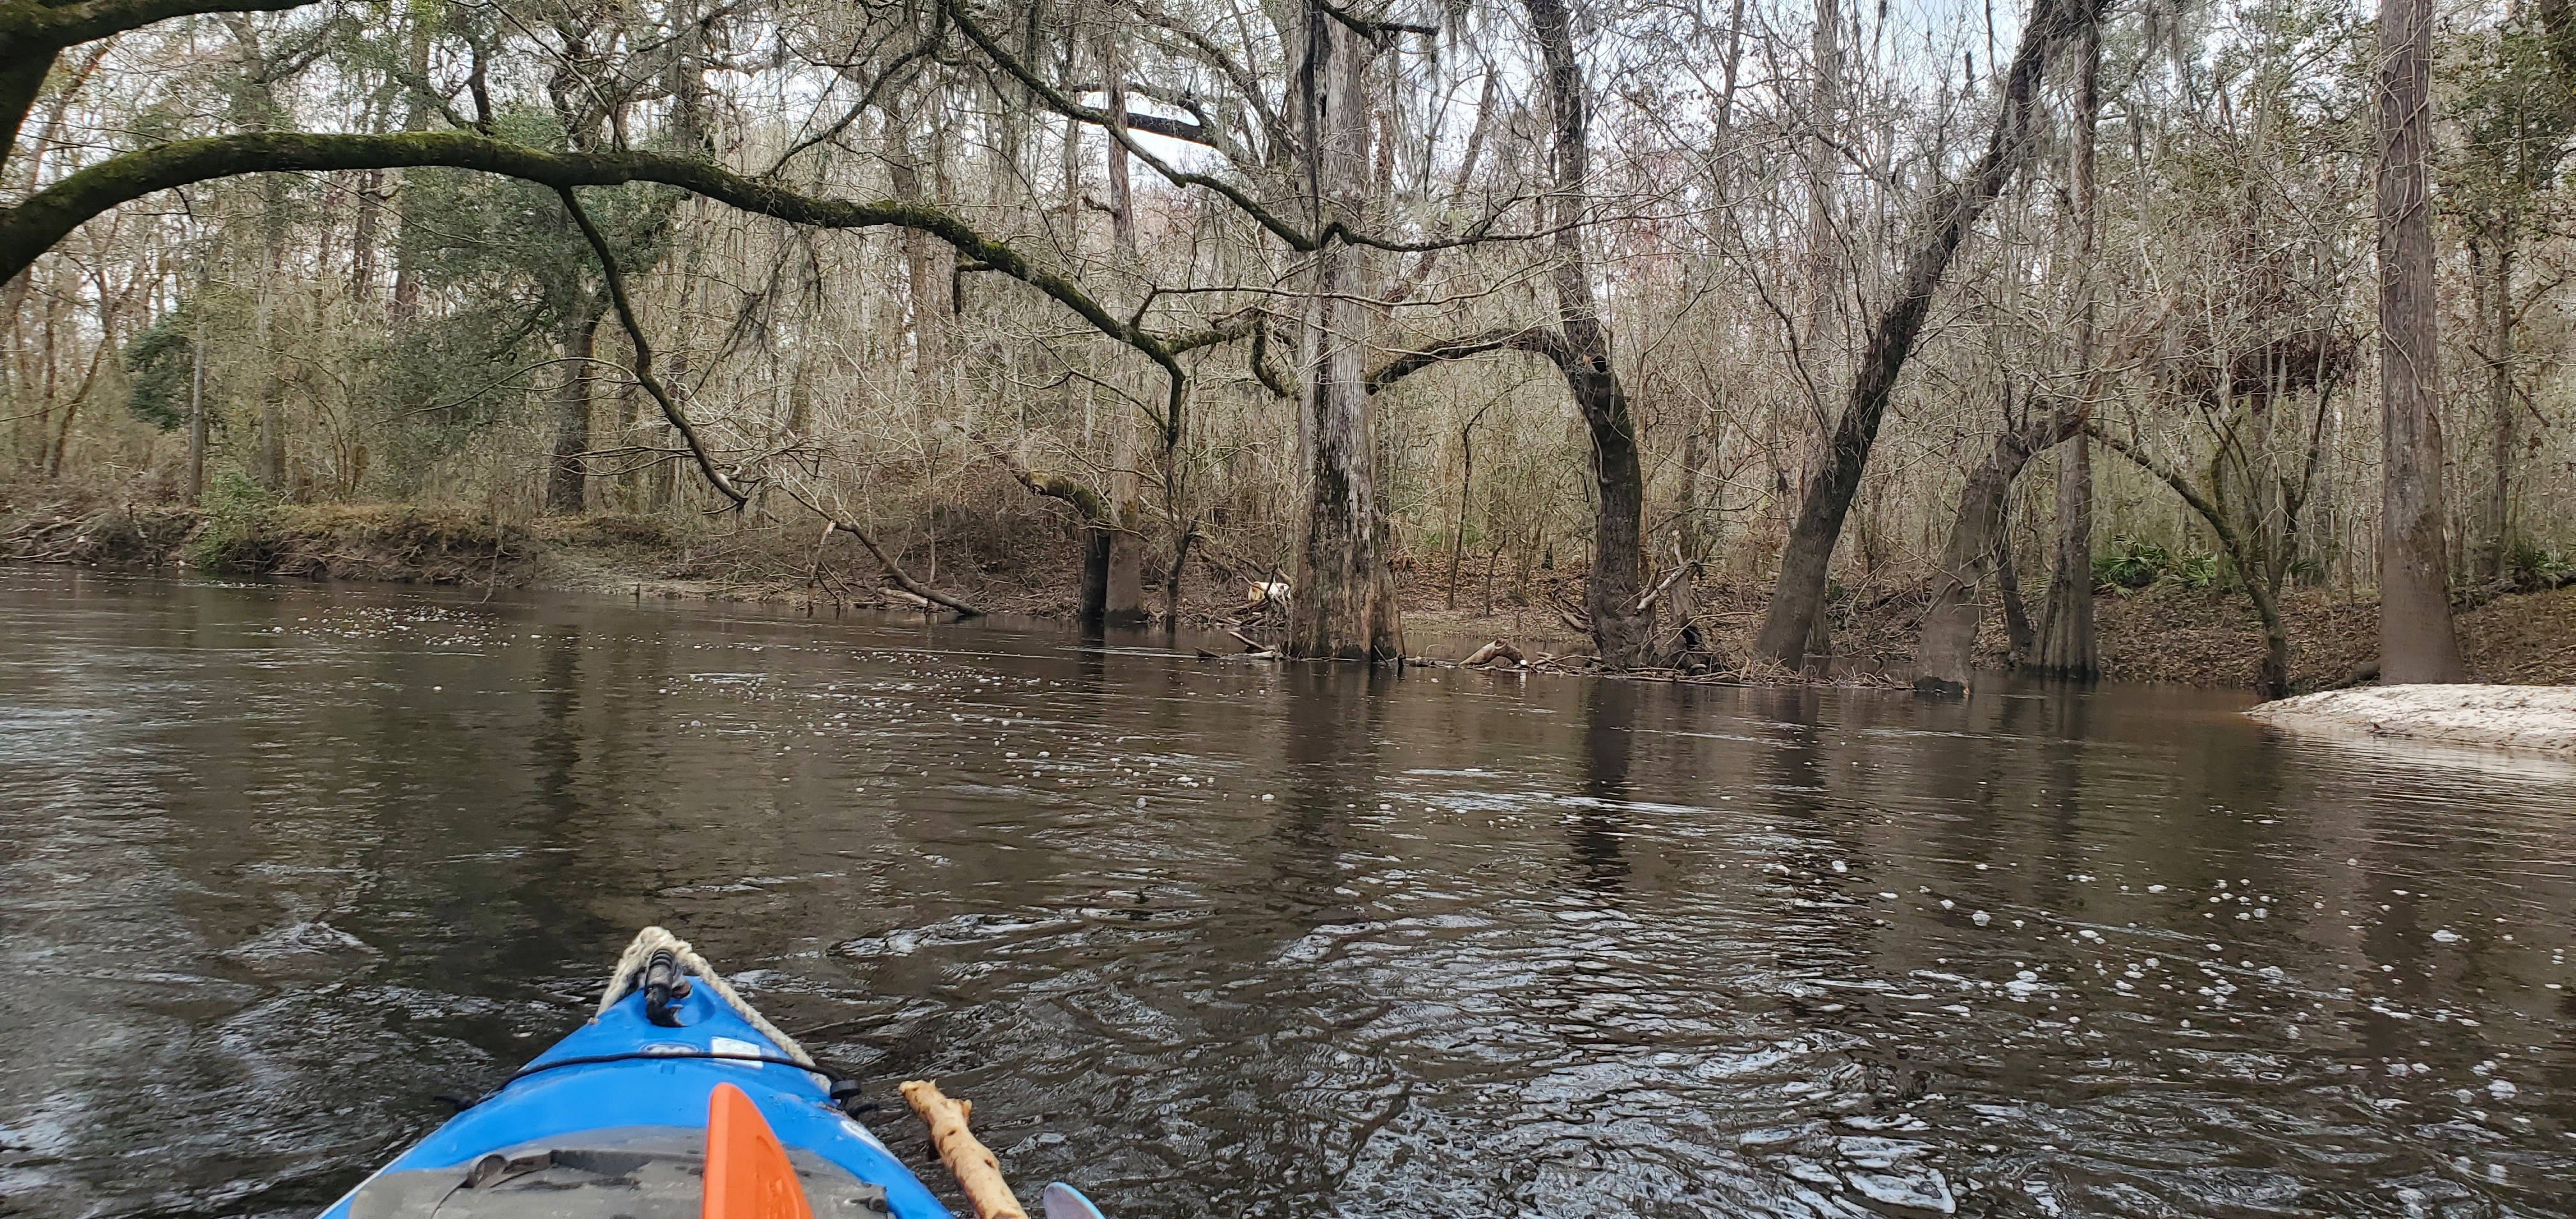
{"type": "Point", "coordinates": [1086, 502]}
{"type": "Point", "coordinates": [63, 25]}
{"type": "Point", "coordinates": [32, 31]}
{"type": "Point", "coordinates": [33, 227]}
{"type": "Point", "coordinates": [1536, 340]}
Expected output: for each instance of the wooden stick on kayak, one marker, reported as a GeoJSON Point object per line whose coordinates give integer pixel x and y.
{"type": "Point", "coordinates": [979, 1175]}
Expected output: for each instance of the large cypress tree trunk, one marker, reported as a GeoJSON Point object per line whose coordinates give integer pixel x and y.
{"type": "Point", "coordinates": [1343, 602]}
{"type": "Point", "coordinates": [1798, 600]}
{"type": "Point", "coordinates": [1622, 627]}
{"type": "Point", "coordinates": [2067, 644]}
{"type": "Point", "coordinates": [2416, 643]}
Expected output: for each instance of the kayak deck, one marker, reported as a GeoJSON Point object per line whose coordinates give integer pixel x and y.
{"type": "Point", "coordinates": [612, 1120]}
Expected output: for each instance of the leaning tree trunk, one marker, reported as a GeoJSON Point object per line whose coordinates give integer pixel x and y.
{"type": "Point", "coordinates": [2416, 643]}
{"type": "Point", "coordinates": [568, 479]}
{"type": "Point", "coordinates": [2068, 646]}
{"type": "Point", "coordinates": [1623, 619]}
{"type": "Point", "coordinates": [1343, 603]}
{"type": "Point", "coordinates": [2275, 679]}
{"type": "Point", "coordinates": [1798, 600]}
{"type": "Point", "coordinates": [1943, 655]}
{"type": "Point", "coordinates": [2248, 554]}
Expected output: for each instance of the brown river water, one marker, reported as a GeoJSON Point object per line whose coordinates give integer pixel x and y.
{"type": "Point", "coordinates": [281, 864]}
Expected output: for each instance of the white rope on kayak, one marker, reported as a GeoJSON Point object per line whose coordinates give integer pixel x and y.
{"type": "Point", "coordinates": [638, 955]}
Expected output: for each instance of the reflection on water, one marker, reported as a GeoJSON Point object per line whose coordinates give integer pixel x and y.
{"type": "Point", "coordinates": [282, 864]}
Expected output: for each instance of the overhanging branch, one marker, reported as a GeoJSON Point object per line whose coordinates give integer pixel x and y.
{"type": "Point", "coordinates": [2173, 478]}
{"type": "Point", "coordinates": [1536, 340]}
{"type": "Point", "coordinates": [26, 26]}
{"type": "Point", "coordinates": [1086, 502]}
{"type": "Point", "coordinates": [33, 227]}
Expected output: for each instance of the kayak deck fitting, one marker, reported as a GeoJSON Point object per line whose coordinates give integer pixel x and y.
{"type": "Point", "coordinates": [613, 1121]}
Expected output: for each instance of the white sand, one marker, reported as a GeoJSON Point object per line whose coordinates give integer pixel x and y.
{"type": "Point", "coordinates": [2519, 717]}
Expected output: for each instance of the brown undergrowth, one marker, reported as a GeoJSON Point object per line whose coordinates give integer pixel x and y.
{"type": "Point", "coordinates": [2212, 639]}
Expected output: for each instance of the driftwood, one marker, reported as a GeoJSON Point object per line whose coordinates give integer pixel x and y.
{"type": "Point", "coordinates": [1497, 650]}
{"type": "Point", "coordinates": [1656, 593]}
{"type": "Point", "coordinates": [979, 1175]}
{"type": "Point", "coordinates": [1261, 654]}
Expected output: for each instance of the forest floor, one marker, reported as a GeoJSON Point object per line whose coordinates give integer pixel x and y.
{"type": "Point", "coordinates": [2158, 634]}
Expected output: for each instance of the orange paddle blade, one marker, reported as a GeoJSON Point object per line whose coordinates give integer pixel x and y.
{"type": "Point", "coordinates": [748, 1176]}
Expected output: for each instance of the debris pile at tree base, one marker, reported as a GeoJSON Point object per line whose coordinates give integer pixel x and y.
{"type": "Point", "coordinates": [2517, 717]}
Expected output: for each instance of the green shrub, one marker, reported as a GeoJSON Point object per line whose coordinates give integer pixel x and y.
{"type": "Point", "coordinates": [2195, 572]}
{"type": "Point", "coordinates": [2132, 563]}
{"type": "Point", "coordinates": [2136, 563]}
{"type": "Point", "coordinates": [160, 368]}
{"type": "Point", "coordinates": [2533, 565]}
{"type": "Point", "coordinates": [237, 510]}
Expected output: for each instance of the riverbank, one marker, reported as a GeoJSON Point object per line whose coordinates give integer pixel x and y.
{"type": "Point", "coordinates": [2513, 717]}
{"type": "Point", "coordinates": [2198, 637]}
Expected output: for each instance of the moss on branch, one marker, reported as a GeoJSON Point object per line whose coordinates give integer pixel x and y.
{"type": "Point", "coordinates": [33, 227]}
{"type": "Point", "coordinates": [1535, 340]}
